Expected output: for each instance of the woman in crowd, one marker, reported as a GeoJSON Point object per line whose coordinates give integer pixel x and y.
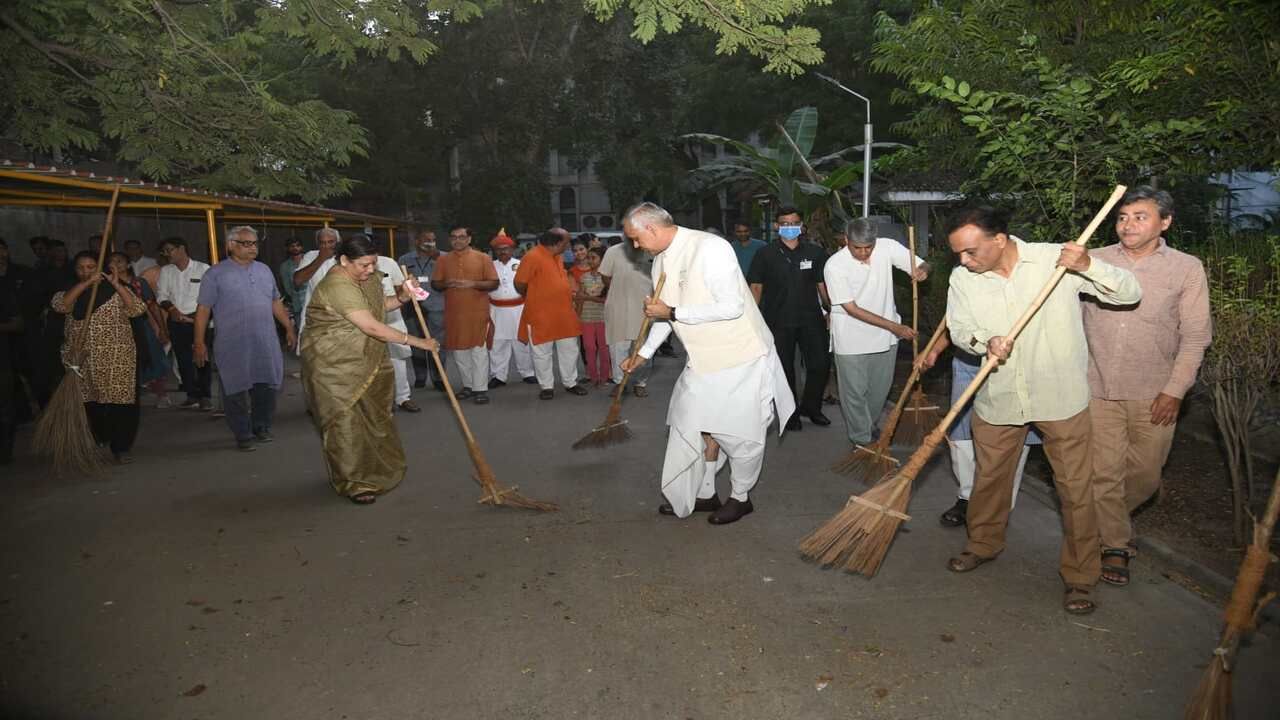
{"type": "Point", "coordinates": [347, 374]}
{"type": "Point", "coordinates": [108, 354]}
{"type": "Point", "coordinates": [589, 296]}
{"type": "Point", "coordinates": [150, 331]}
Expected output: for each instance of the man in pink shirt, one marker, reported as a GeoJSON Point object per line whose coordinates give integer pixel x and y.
{"type": "Point", "coordinates": [1142, 361]}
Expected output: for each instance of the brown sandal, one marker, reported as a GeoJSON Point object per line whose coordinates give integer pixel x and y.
{"type": "Point", "coordinates": [1115, 573]}
{"type": "Point", "coordinates": [966, 561]}
{"type": "Point", "coordinates": [1076, 600]}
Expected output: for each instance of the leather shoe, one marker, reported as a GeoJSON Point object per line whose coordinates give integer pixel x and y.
{"type": "Point", "coordinates": [732, 511]}
{"type": "Point", "coordinates": [576, 390]}
{"type": "Point", "coordinates": [817, 418]}
{"type": "Point", "coordinates": [410, 406]}
{"type": "Point", "coordinates": [464, 393]}
{"type": "Point", "coordinates": [496, 383]}
{"type": "Point", "coordinates": [546, 394]}
{"type": "Point", "coordinates": [531, 380]}
{"type": "Point", "coordinates": [481, 398]}
{"type": "Point", "coordinates": [710, 504]}
{"type": "Point", "coordinates": [794, 423]}
{"type": "Point", "coordinates": [956, 516]}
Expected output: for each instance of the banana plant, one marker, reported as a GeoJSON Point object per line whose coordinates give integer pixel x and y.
{"type": "Point", "coordinates": [784, 169]}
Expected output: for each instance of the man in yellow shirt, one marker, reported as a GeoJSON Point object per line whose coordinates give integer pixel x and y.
{"type": "Point", "coordinates": [1044, 381]}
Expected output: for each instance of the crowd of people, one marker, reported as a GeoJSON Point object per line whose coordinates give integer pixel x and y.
{"type": "Point", "coordinates": [1098, 375]}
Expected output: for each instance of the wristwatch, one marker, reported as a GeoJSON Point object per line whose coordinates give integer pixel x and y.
{"type": "Point", "coordinates": [673, 312]}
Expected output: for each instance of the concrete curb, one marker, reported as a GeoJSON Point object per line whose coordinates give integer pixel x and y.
{"type": "Point", "coordinates": [1220, 585]}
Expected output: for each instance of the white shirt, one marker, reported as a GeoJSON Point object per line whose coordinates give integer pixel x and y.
{"type": "Point", "coordinates": [868, 285]}
{"type": "Point", "coordinates": [142, 264]}
{"type": "Point", "coordinates": [311, 285]}
{"type": "Point", "coordinates": [506, 289]}
{"type": "Point", "coordinates": [181, 287]}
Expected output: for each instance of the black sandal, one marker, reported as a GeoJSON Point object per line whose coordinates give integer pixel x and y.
{"type": "Point", "coordinates": [1076, 601]}
{"type": "Point", "coordinates": [1115, 573]}
{"type": "Point", "coordinates": [364, 498]}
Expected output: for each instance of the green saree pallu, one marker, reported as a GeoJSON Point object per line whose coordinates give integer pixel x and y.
{"type": "Point", "coordinates": [349, 383]}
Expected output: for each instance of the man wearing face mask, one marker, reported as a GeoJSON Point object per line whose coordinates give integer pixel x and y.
{"type": "Point", "coordinates": [786, 281]}
{"type": "Point", "coordinates": [422, 265]}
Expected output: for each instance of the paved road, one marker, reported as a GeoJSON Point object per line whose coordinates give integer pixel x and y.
{"type": "Point", "coordinates": [205, 583]}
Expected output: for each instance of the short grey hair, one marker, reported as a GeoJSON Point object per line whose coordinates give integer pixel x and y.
{"type": "Point", "coordinates": [337, 236]}
{"type": "Point", "coordinates": [861, 231]}
{"type": "Point", "coordinates": [1162, 199]}
{"type": "Point", "coordinates": [647, 213]}
{"type": "Point", "coordinates": [235, 233]}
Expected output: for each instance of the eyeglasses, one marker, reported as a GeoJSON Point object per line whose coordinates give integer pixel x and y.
{"type": "Point", "coordinates": [246, 243]}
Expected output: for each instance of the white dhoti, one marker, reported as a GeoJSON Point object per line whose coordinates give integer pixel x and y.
{"type": "Point", "coordinates": [734, 406]}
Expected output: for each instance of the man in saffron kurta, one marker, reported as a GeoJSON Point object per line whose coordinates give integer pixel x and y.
{"type": "Point", "coordinates": [734, 384]}
{"type": "Point", "coordinates": [466, 276]}
{"type": "Point", "coordinates": [548, 322]}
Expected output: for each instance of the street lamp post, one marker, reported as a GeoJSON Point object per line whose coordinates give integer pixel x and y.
{"type": "Point", "coordinates": [866, 145]}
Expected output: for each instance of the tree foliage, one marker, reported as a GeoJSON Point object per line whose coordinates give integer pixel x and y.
{"type": "Point", "coordinates": [1074, 96]}
{"type": "Point", "coordinates": [231, 94]}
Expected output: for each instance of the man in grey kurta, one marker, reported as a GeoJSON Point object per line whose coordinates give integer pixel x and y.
{"type": "Point", "coordinates": [241, 297]}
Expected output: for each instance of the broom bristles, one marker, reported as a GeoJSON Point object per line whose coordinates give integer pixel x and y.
{"type": "Point", "coordinates": [858, 537]}
{"type": "Point", "coordinates": [867, 463]}
{"type": "Point", "coordinates": [919, 417]}
{"type": "Point", "coordinates": [615, 433]}
{"type": "Point", "coordinates": [63, 433]}
{"type": "Point", "coordinates": [1212, 699]}
{"type": "Point", "coordinates": [494, 493]}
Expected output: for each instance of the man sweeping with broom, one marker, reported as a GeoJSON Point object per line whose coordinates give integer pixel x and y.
{"type": "Point", "coordinates": [1042, 381]}
{"type": "Point", "coordinates": [726, 397]}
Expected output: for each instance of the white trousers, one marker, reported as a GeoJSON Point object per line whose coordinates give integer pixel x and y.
{"type": "Point", "coordinates": [473, 366]}
{"type": "Point", "coordinates": [620, 351]}
{"type": "Point", "coordinates": [500, 359]}
{"type": "Point", "coordinates": [745, 459]}
{"type": "Point", "coordinates": [565, 351]}
{"type": "Point", "coordinates": [404, 378]}
{"type": "Point", "coordinates": [965, 465]}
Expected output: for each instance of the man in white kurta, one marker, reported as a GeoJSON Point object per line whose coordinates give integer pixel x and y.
{"type": "Point", "coordinates": [733, 385]}
{"type": "Point", "coordinates": [505, 306]}
{"type": "Point", "coordinates": [392, 279]}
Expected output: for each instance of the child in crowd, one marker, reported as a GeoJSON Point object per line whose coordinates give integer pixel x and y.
{"type": "Point", "coordinates": [589, 295]}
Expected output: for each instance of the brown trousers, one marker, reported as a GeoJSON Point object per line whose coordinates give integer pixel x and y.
{"type": "Point", "coordinates": [1066, 442]}
{"type": "Point", "coordinates": [1128, 455]}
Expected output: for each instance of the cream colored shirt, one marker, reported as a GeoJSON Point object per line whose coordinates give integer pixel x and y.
{"type": "Point", "coordinates": [1046, 376]}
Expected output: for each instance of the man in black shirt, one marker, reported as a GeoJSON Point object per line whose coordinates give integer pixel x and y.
{"type": "Point", "coordinates": [786, 279]}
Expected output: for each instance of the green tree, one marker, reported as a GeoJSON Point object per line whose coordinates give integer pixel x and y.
{"type": "Point", "coordinates": [213, 91]}
{"type": "Point", "coordinates": [1156, 77]}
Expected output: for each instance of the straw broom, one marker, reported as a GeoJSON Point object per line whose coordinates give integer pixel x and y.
{"type": "Point", "coordinates": [493, 493]}
{"type": "Point", "coordinates": [921, 413]}
{"type": "Point", "coordinates": [614, 430]}
{"type": "Point", "coordinates": [1212, 699]}
{"type": "Point", "coordinates": [63, 432]}
{"type": "Point", "coordinates": [871, 462]}
{"type": "Point", "coordinates": [858, 537]}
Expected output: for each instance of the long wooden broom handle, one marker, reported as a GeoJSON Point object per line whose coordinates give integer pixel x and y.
{"type": "Point", "coordinates": [639, 341]}
{"type": "Point", "coordinates": [991, 362]}
{"type": "Point", "coordinates": [444, 376]}
{"type": "Point", "coordinates": [915, 371]}
{"type": "Point", "coordinates": [915, 295]}
{"type": "Point", "coordinates": [102, 257]}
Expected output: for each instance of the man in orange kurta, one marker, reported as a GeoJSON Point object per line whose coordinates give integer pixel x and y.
{"type": "Point", "coordinates": [548, 323]}
{"type": "Point", "coordinates": [466, 276]}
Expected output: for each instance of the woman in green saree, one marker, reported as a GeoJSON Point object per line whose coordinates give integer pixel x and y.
{"type": "Point", "coordinates": [347, 373]}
